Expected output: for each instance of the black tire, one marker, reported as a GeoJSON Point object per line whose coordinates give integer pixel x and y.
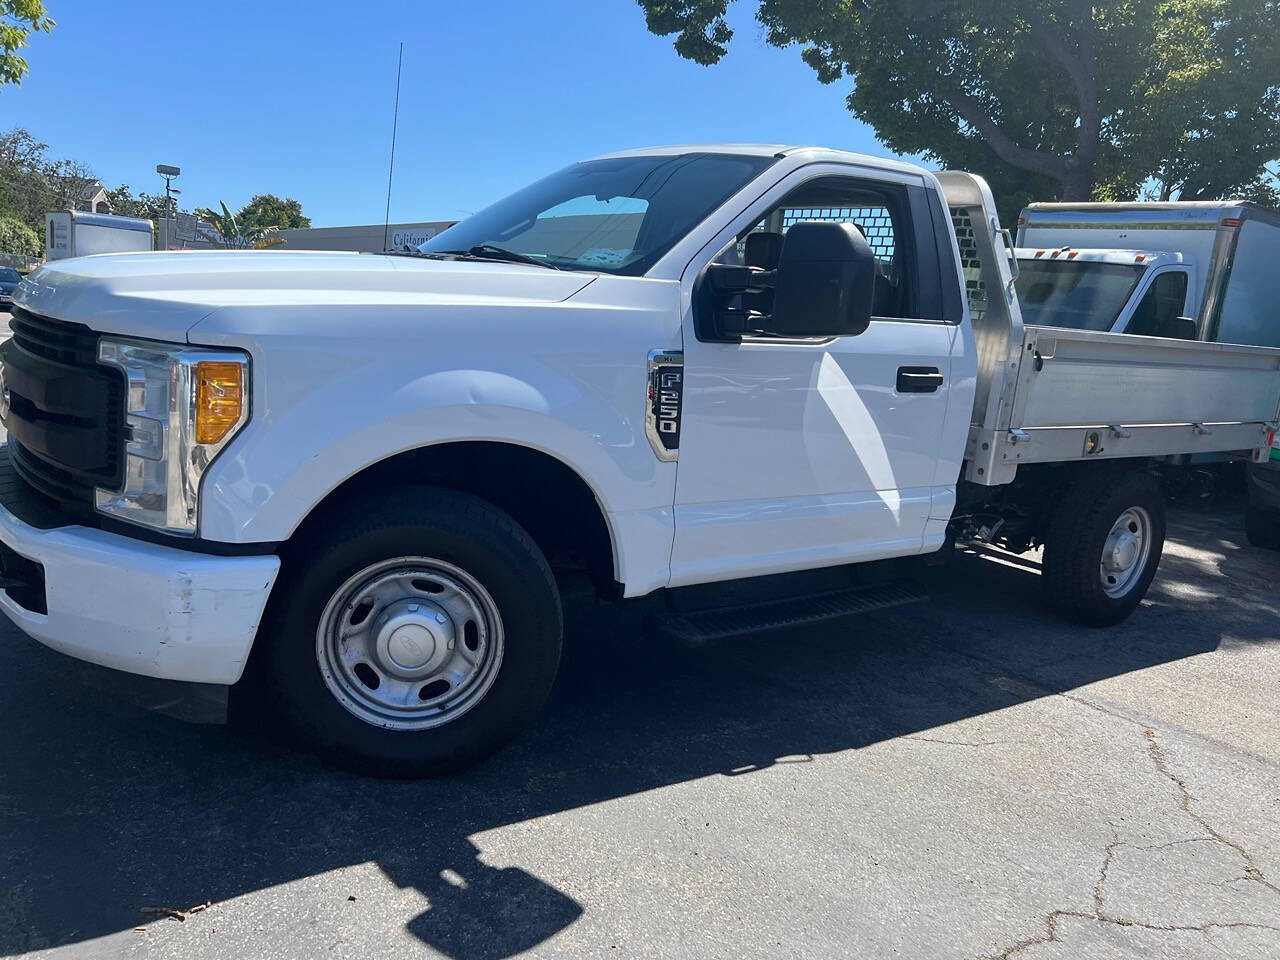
{"type": "Point", "coordinates": [286, 680]}
{"type": "Point", "coordinates": [1262, 528]}
{"type": "Point", "coordinates": [1074, 542]}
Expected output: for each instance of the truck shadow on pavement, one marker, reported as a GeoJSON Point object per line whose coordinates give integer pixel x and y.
{"type": "Point", "coordinates": [105, 808]}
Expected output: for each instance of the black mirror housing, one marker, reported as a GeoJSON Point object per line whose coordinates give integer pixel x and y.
{"type": "Point", "coordinates": [825, 282]}
{"type": "Point", "coordinates": [726, 280]}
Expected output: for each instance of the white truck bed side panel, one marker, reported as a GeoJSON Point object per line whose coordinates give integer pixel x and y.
{"type": "Point", "coordinates": [1089, 395]}
{"type": "Point", "coordinates": [1086, 377]}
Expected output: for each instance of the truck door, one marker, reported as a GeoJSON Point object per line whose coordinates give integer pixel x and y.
{"type": "Point", "coordinates": [811, 452]}
{"type": "Point", "coordinates": [1159, 306]}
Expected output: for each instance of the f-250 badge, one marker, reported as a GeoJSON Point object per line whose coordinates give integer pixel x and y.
{"type": "Point", "coordinates": [666, 393]}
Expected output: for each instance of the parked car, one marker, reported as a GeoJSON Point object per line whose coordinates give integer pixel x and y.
{"type": "Point", "coordinates": [349, 483]}
{"type": "Point", "coordinates": [9, 280]}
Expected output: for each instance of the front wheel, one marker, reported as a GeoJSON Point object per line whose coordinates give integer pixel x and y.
{"type": "Point", "coordinates": [1103, 546]}
{"type": "Point", "coordinates": [413, 637]}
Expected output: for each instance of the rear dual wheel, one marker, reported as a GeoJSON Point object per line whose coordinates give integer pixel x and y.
{"type": "Point", "coordinates": [414, 636]}
{"type": "Point", "coordinates": [1103, 546]}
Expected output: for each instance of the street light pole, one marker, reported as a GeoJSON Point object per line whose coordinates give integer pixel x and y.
{"type": "Point", "coordinates": [168, 172]}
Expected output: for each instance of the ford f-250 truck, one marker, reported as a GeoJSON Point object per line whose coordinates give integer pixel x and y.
{"type": "Point", "coordinates": [347, 483]}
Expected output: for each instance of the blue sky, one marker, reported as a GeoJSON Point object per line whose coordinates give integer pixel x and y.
{"type": "Point", "coordinates": [295, 98]}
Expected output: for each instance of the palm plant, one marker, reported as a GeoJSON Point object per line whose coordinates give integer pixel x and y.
{"type": "Point", "coordinates": [228, 235]}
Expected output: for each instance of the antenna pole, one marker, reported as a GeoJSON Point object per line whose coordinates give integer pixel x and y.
{"type": "Point", "coordinates": [395, 121]}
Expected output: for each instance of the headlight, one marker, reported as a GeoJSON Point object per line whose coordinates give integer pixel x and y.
{"type": "Point", "coordinates": [182, 406]}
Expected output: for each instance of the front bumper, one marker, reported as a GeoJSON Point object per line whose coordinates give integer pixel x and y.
{"type": "Point", "coordinates": [132, 605]}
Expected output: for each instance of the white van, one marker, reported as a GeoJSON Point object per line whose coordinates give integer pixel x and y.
{"type": "Point", "coordinates": [1124, 267]}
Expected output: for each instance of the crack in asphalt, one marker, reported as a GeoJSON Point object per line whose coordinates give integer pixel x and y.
{"type": "Point", "coordinates": [964, 743]}
{"type": "Point", "coordinates": [1051, 934]}
{"type": "Point", "coordinates": [1253, 873]}
{"type": "Point", "coordinates": [1107, 855]}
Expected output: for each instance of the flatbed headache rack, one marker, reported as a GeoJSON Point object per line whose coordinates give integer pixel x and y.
{"type": "Point", "coordinates": [1051, 395]}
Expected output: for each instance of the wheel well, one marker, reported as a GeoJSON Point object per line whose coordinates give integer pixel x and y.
{"type": "Point", "coordinates": [545, 496]}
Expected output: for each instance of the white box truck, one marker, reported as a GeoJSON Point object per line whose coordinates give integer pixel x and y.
{"type": "Point", "coordinates": [1139, 267]}
{"type": "Point", "coordinates": [76, 233]}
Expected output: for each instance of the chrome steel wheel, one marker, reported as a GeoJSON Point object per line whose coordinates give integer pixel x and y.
{"type": "Point", "coordinates": [1125, 552]}
{"type": "Point", "coordinates": [410, 643]}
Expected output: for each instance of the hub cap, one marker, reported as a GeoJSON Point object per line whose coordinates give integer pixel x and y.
{"type": "Point", "coordinates": [1125, 552]}
{"type": "Point", "coordinates": [410, 643]}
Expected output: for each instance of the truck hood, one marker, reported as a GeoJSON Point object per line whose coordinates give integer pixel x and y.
{"type": "Point", "coordinates": [161, 296]}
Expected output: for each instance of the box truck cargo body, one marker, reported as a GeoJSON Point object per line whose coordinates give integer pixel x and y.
{"type": "Point", "coordinates": [76, 233]}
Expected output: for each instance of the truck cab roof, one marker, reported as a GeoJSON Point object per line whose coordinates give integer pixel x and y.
{"type": "Point", "coordinates": [809, 153]}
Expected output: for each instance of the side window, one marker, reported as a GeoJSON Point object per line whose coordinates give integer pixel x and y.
{"type": "Point", "coordinates": [1160, 305]}
{"type": "Point", "coordinates": [880, 211]}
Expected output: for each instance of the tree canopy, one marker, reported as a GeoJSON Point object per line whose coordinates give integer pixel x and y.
{"type": "Point", "coordinates": [32, 183]}
{"type": "Point", "coordinates": [17, 237]}
{"type": "Point", "coordinates": [267, 210]}
{"type": "Point", "coordinates": [18, 20]}
{"type": "Point", "coordinates": [148, 206]}
{"type": "Point", "coordinates": [1047, 98]}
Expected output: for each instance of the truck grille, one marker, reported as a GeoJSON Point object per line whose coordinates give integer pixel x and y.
{"type": "Point", "coordinates": [66, 412]}
{"type": "Point", "coordinates": [67, 343]}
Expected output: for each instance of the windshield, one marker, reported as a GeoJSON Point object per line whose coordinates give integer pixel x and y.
{"type": "Point", "coordinates": [616, 216]}
{"type": "Point", "coordinates": [9, 275]}
{"type": "Point", "coordinates": [1076, 294]}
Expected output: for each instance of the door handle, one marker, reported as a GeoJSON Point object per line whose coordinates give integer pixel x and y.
{"type": "Point", "coordinates": [919, 379]}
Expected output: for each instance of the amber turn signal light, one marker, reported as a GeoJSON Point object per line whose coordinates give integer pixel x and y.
{"type": "Point", "coordinates": [219, 399]}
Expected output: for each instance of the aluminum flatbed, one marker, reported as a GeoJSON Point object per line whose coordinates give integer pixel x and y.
{"type": "Point", "coordinates": [1053, 395]}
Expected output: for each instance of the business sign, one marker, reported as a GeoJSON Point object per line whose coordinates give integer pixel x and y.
{"type": "Point", "coordinates": [186, 227]}
{"type": "Point", "coordinates": [410, 237]}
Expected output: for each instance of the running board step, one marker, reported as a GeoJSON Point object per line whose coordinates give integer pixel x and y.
{"type": "Point", "coordinates": [705, 625]}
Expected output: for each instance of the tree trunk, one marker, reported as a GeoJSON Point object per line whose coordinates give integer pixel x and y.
{"type": "Point", "coordinates": [1077, 185]}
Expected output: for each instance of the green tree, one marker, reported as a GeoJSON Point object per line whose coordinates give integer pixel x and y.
{"type": "Point", "coordinates": [18, 20]}
{"type": "Point", "coordinates": [17, 237]}
{"type": "Point", "coordinates": [25, 191]}
{"type": "Point", "coordinates": [32, 184]}
{"type": "Point", "coordinates": [1047, 98]}
{"type": "Point", "coordinates": [71, 183]}
{"type": "Point", "coordinates": [267, 210]}
{"type": "Point", "coordinates": [225, 231]}
{"type": "Point", "coordinates": [149, 206]}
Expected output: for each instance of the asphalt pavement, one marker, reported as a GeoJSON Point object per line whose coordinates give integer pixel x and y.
{"type": "Point", "coordinates": [963, 778]}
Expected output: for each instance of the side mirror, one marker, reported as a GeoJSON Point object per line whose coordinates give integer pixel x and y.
{"type": "Point", "coordinates": [825, 282]}
{"type": "Point", "coordinates": [1181, 328]}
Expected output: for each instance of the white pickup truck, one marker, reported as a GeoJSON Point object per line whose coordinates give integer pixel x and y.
{"type": "Point", "coordinates": [348, 483]}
